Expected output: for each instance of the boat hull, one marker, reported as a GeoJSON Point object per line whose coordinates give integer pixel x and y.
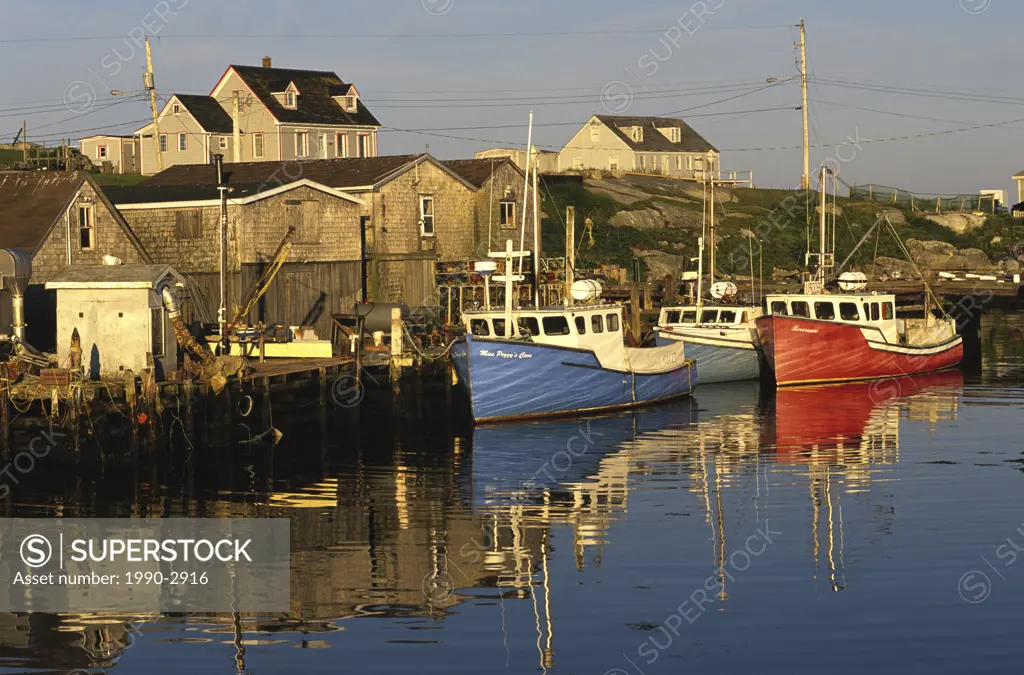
{"type": "Point", "coordinates": [730, 358]}
{"type": "Point", "coordinates": [511, 380]}
{"type": "Point", "coordinates": [805, 351]}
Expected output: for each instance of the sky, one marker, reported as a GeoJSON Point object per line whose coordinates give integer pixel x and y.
{"type": "Point", "coordinates": [894, 86]}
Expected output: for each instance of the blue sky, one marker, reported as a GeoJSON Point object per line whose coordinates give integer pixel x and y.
{"type": "Point", "coordinates": [953, 49]}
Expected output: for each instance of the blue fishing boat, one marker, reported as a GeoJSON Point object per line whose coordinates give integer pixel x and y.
{"type": "Point", "coordinates": [527, 362]}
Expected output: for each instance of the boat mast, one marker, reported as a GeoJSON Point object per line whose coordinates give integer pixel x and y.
{"type": "Point", "coordinates": [711, 225]}
{"type": "Point", "coordinates": [526, 191]}
{"type": "Point", "coordinates": [536, 241]}
{"type": "Point", "coordinates": [822, 238]}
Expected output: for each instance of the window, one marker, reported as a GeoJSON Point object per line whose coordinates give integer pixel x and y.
{"type": "Point", "coordinates": [85, 230]}
{"type": "Point", "coordinates": [427, 216]}
{"type": "Point", "coordinates": [577, 162]}
{"type": "Point", "coordinates": [709, 316]}
{"type": "Point", "coordinates": [341, 149]}
{"type": "Point", "coordinates": [638, 134]}
{"type": "Point", "coordinates": [690, 316]}
{"type": "Point", "coordinates": [824, 310]}
{"type": "Point", "coordinates": [689, 162]}
{"type": "Point", "coordinates": [101, 152]}
{"type": "Point", "coordinates": [643, 162]}
{"type": "Point", "coordinates": [727, 317]}
{"type": "Point", "coordinates": [175, 109]}
{"type": "Point", "coordinates": [613, 163]}
{"type": "Point", "coordinates": [613, 323]}
{"type": "Point", "coordinates": [581, 325]}
{"type": "Point", "coordinates": [867, 311]}
{"type": "Point", "coordinates": [508, 214]}
{"type": "Point", "coordinates": [156, 325]}
{"type": "Point", "coordinates": [679, 162]}
{"type": "Point", "coordinates": [223, 142]}
{"type": "Point", "coordinates": [364, 145]}
{"type": "Point", "coordinates": [595, 134]}
{"type": "Point", "coordinates": [674, 134]}
{"type": "Point", "coordinates": [874, 311]}
{"type": "Point", "coordinates": [257, 145]}
{"type": "Point", "coordinates": [350, 103]}
{"type": "Point", "coordinates": [499, 327]}
{"type": "Point", "coordinates": [188, 224]}
{"type": "Point", "coordinates": [672, 317]}
{"type": "Point", "coordinates": [289, 99]}
{"type": "Point", "coordinates": [779, 308]}
{"type": "Point", "coordinates": [163, 142]}
{"type": "Point", "coordinates": [528, 326]}
{"type": "Point", "coordinates": [182, 141]}
{"type": "Point", "coordinates": [597, 324]}
{"type": "Point", "coordinates": [301, 144]}
{"type": "Point", "coordinates": [555, 325]}
{"type": "Point", "coordinates": [801, 308]}
{"type": "Point", "coordinates": [848, 311]}
{"type": "Point", "coordinates": [479, 327]}
{"type": "Point", "coordinates": [887, 311]}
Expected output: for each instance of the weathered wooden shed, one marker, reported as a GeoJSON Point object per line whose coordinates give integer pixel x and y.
{"type": "Point", "coordinates": [61, 220]}
{"type": "Point", "coordinates": [119, 315]}
{"type": "Point", "coordinates": [324, 272]}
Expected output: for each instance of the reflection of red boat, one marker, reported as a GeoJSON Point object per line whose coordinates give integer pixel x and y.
{"type": "Point", "coordinates": [853, 413]}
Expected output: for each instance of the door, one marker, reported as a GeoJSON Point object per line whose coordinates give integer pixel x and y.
{"type": "Point", "coordinates": [664, 165]}
{"type": "Point", "coordinates": [323, 146]}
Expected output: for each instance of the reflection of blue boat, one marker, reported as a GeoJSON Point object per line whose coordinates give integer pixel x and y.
{"type": "Point", "coordinates": [563, 361]}
{"type": "Point", "coordinates": [513, 461]}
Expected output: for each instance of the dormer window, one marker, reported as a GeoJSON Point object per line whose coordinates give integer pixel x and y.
{"type": "Point", "coordinates": [674, 134]}
{"type": "Point", "coordinates": [289, 99]}
{"type": "Point", "coordinates": [350, 103]}
{"type": "Point", "coordinates": [638, 134]}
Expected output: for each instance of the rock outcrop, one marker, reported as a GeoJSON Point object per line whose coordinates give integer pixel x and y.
{"type": "Point", "coordinates": [958, 222]}
{"type": "Point", "coordinates": [660, 264]}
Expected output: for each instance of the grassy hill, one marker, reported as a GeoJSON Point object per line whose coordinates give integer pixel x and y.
{"type": "Point", "coordinates": [779, 218]}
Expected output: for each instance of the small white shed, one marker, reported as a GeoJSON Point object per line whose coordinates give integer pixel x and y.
{"type": "Point", "coordinates": [120, 317]}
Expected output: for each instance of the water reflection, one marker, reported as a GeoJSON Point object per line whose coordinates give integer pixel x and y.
{"type": "Point", "coordinates": [415, 527]}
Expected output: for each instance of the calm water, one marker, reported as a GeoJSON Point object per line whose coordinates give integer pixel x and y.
{"type": "Point", "coordinates": [848, 529]}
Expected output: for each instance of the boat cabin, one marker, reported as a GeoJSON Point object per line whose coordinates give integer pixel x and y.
{"type": "Point", "coordinates": [581, 327]}
{"type": "Point", "coordinates": [878, 311]}
{"type": "Point", "coordinates": [728, 315]}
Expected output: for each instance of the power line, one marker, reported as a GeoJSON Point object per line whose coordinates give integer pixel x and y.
{"type": "Point", "coordinates": [387, 36]}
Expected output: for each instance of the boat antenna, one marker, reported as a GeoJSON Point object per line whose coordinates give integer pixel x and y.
{"type": "Point", "coordinates": [526, 191]}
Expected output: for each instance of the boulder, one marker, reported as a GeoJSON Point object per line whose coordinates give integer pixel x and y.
{"type": "Point", "coordinates": [678, 216]}
{"type": "Point", "coordinates": [831, 209]}
{"type": "Point", "coordinates": [640, 219]}
{"type": "Point", "coordinates": [660, 264]}
{"type": "Point", "coordinates": [895, 216]}
{"type": "Point", "coordinates": [893, 268]}
{"type": "Point", "coordinates": [618, 190]}
{"type": "Point", "coordinates": [974, 259]}
{"type": "Point", "coordinates": [1010, 266]}
{"type": "Point", "coordinates": [931, 254]}
{"type": "Point", "coordinates": [958, 222]}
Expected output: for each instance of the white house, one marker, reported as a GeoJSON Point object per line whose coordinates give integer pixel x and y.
{"type": "Point", "coordinates": [655, 145]}
{"type": "Point", "coordinates": [118, 150]}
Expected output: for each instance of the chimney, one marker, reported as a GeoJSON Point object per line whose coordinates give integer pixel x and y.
{"type": "Point", "coordinates": [266, 62]}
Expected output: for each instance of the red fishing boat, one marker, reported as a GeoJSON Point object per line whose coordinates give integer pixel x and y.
{"type": "Point", "coordinates": [818, 336]}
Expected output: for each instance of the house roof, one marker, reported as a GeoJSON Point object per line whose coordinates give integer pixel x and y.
{"type": "Point", "coordinates": [112, 276]}
{"type": "Point", "coordinates": [136, 195]}
{"type": "Point", "coordinates": [335, 173]}
{"type": "Point", "coordinates": [207, 113]}
{"type": "Point", "coordinates": [31, 202]}
{"type": "Point", "coordinates": [479, 171]}
{"type": "Point", "coordinates": [654, 140]}
{"type": "Point", "coordinates": [314, 103]}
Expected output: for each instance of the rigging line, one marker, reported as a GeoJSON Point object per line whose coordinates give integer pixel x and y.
{"type": "Point", "coordinates": [381, 36]}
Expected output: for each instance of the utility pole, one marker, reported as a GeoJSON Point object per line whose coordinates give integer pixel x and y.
{"type": "Point", "coordinates": [222, 311]}
{"type": "Point", "coordinates": [151, 86]}
{"type": "Point", "coordinates": [24, 141]}
{"type": "Point", "coordinates": [805, 181]}
{"type": "Point", "coordinates": [237, 128]}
